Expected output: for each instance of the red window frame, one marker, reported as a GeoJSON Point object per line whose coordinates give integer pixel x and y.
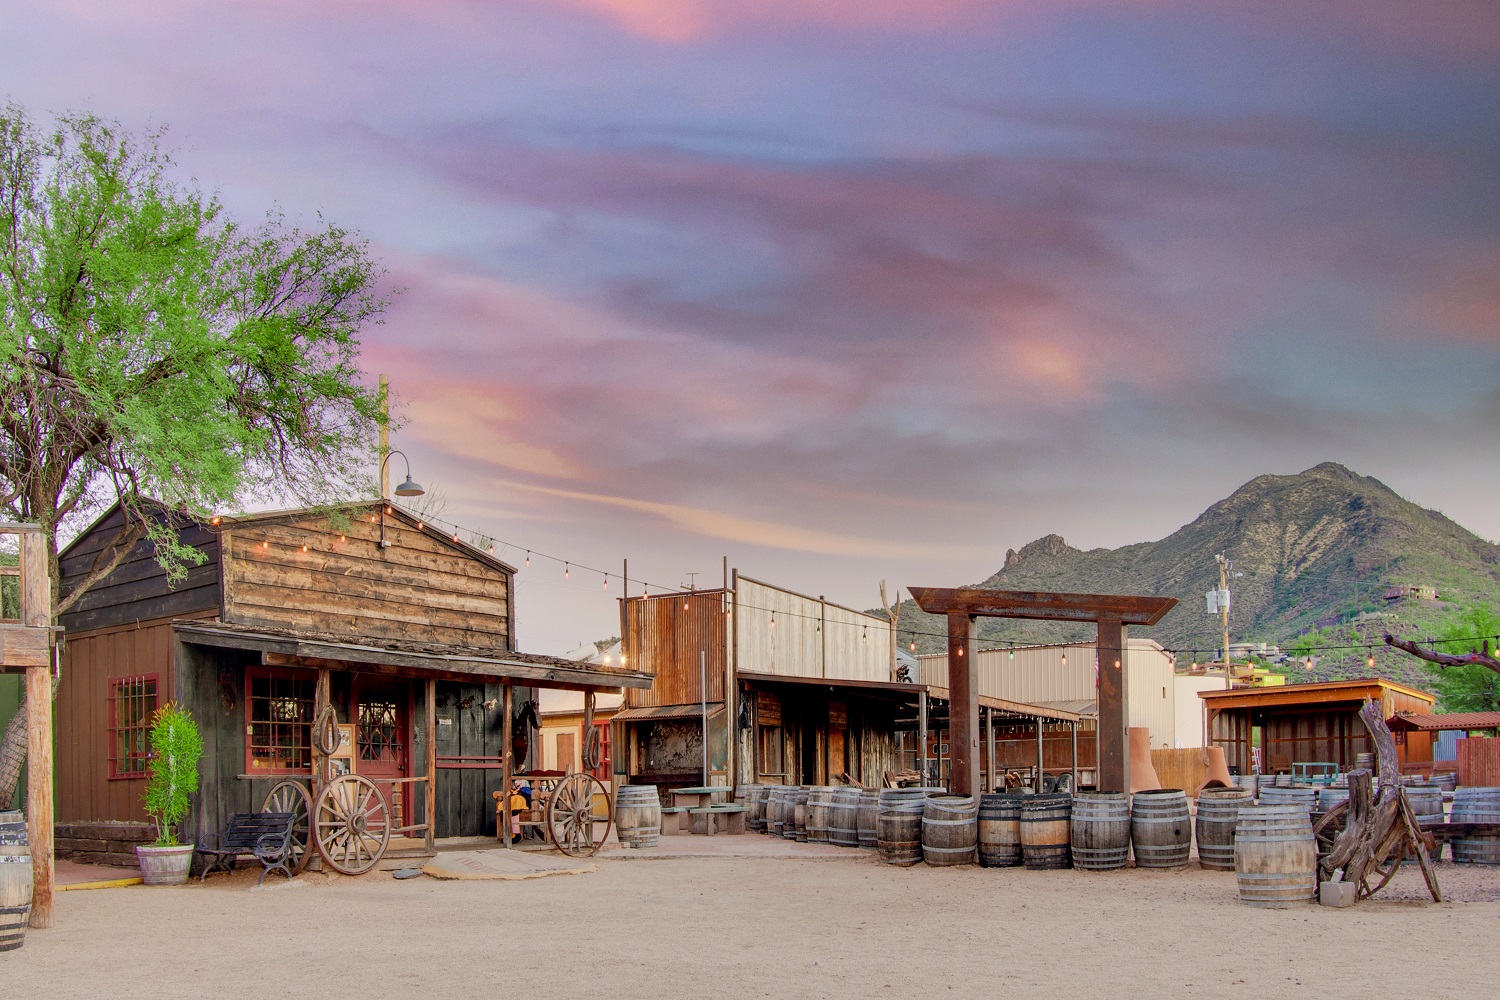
{"type": "Point", "coordinates": [132, 702]}
{"type": "Point", "coordinates": [284, 732]}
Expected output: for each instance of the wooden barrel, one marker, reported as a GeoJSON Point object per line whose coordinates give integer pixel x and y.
{"type": "Point", "coordinates": [638, 815]}
{"type": "Point", "coordinates": [755, 806]}
{"type": "Point", "coordinates": [1366, 761]}
{"type": "Point", "coordinates": [1447, 781]}
{"type": "Point", "coordinates": [999, 830]}
{"type": "Point", "coordinates": [843, 818]}
{"type": "Point", "coordinates": [774, 796]}
{"type": "Point", "coordinates": [1218, 811]}
{"type": "Point", "coordinates": [1161, 828]}
{"type": "Point", "coordinates": [1045, 839]}
{"type": "Point", "coordinates": [950, 830]}
{"type": "Point", "coordinates": [819, 806]}
{"type": "Point", "coordinates": [1275, 855]}
{"type": "Point", "coordinates": [1476, 805]}
{"type": "Point", "coordinates": [1426, 804]}
{"type": "Point", "coordinates": [1250, 781]}
{"type": "Point", "coordinates": [795, 827]}
{"type": "Point", "coordinates": [898, 825]}
{"type": "Point", "coordinates": [868, 813]}
{"type": "Point", "coordinates": [1307, 798]}
{"type": "Point", "coordinates": [1330, 797]}
{"type": "Point", "coordinates": [1100, 824]}
{"type": "Point", "coordinates": [15, 880]}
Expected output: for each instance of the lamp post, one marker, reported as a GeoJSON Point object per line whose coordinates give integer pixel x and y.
{"type": "Point", "coordinates": [408, 488]}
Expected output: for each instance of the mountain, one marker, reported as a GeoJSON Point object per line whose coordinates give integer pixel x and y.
{"type": "Point", "coordinates": [1316, 549]}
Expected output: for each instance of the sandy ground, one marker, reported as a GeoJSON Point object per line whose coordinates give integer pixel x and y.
{"type": "Point", "coordinates": [754, 926]}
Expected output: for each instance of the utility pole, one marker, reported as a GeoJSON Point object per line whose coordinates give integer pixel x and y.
{"type": "Point", "coordinates": [1224, 615]}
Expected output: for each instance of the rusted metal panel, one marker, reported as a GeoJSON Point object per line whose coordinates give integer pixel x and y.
{"type": "Point", "coordinates": [794, 635]}
{"type": "Point", "coordinates": [665, 637]}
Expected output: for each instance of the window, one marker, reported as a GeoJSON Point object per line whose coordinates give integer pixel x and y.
{"type": "Point", "coordinates": [278, 722]}
{"type": "Point", "coordinates": [132, 702]}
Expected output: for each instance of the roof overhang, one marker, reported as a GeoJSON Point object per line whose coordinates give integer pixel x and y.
{"type": "Point", "coordinates": [658, 712]}
{"type": "Point", "coordinates": [886, 688]}
{"type": "Point", "coordinates": [1322, 694]}
{"type": "Point", "coordinates": [1452, 722]}
{"type": "Point", "coordinates": [1042, 605]}
{"type": "Point", "coordinates": [456, 664]}
{"type": "Point", "coordinates": [1016, 709]}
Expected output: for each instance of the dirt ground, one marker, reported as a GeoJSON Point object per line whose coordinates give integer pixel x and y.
{"type": "Point", "coordinates": [724, 926]}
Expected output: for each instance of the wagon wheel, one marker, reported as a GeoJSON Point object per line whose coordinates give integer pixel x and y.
{"type": "Point", "coordinates": [575, 823]}
{"type": "Point", "coordinates": [291, 797]}
{"type": "Point", "coordinates": [351, 824]}
{"type": "Point", "coordinates": [1382, 873]}
{"type": "Point", "coordinates": [1328, 827]}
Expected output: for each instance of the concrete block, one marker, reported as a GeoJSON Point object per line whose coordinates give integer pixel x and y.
{"type": "Point", "coordinates": [1336, 893]}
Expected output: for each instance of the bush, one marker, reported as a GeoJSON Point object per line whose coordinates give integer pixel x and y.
{"type": "Point", "coordinates": [173, 770]}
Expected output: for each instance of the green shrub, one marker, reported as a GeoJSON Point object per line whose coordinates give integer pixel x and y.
{"type": "Point", "coordinates": [173, 770]}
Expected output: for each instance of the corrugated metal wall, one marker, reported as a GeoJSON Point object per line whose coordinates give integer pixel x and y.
{"type": "Point", "coordinates": [665, 636]}
{"type": "Point", "coordinates": [1035, 674]}
{"type": "Point", "coordinates": [810, 638]}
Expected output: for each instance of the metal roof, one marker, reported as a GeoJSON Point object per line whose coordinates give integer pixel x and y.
{"type": "Point", "coordinates": [695, 711]}
{"type": "Point", "coordinates": [1458, 721]}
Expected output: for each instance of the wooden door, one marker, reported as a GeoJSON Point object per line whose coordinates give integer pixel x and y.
{"type": "Point", "coordinates": [565, 747]}
{"type": "Point", "coordinates": [382, 739]}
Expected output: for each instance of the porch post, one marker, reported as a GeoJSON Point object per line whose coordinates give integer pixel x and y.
{"type": "Point", "coordinates": [963, 704]}
{"type": "Point", "coordinates": [922, 734]}
{"type": "Point", "coordinates": [1037, 777]}
{"type": "Point", "coordinates": [506, 699]}
{"type": "Point", "coordinates": [431, 763]}
{"type": "Point", "coordinates": [1114, 708]}
{"type": "Point", "coordinates": [1073, 731]}
{"type": "Point", "coordinates": [989, 725]}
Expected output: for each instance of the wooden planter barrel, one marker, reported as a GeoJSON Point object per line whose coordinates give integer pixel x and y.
{"type": "Point", "coordinates": [843, 818]}
{"type": "Point", "coordinates": [819, 807]}
{"type": "Point", "coordinates": [1305, 797]}
{"type": "Point", "coordinates": [15, 880]}
{"type": "Point", "coordinates": [773, 811]}
{"type": "Point", "coordinates": [1218, 812]}
{"type": "Point", "coordinates": [1046, 842]}
{"type": "Point", "coordinates": [999, 830]}
{"type": "Point", "coordinates": [638, 815]}
{"type": "Point", "coordinates": [755, 806]}
{"type": "Point", "coordinates": [868, 813]}
{"type": "Point", "coordinates": [1477, 805]}
{"type": "Point", "coordinates": [795, 825]}
{"type": "Point", "coordinates": [1275, 855]}
{"type": "Point", "coordinates": [898, 826]}
{"type": "Point", "coordinates": [1100, 823]}
{"type": "Point", "coordinates": [1161, 828]}
{"type": "Point", "coordinates": [950, 830]}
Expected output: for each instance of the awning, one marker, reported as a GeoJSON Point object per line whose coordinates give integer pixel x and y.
{"type": "Point", "coordinates": [1451, 722]}
{"type": "Point", "coordinates": [1016, 709]}
{"type": "Point", "coordinates": [695, 711]}
{"type": "Point", "coordinates": [871, 687]}
{"type": "Point", "coordinates": [441, 662]}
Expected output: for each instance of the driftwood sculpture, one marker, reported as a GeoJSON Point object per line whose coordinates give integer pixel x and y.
{"type": "Point", "coordinates": [1380, 830]}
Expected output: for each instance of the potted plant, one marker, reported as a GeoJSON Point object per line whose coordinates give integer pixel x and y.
{"type": "Point", "coordinates": [172, 771]}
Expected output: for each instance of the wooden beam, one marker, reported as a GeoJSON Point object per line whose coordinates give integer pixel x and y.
{"type": "Point", "coordinates": [1114, 709]}
{"type": "Point", "coordinates": [963, 708]}
{"type": "Point", "coordinates": [36, 583]}
{"type": "Point", "coordinates": [39, 791]}
{"type": "Point", "coordinates": [1042, 605]}
{"type": "Point", "coordinates": [507, 705]}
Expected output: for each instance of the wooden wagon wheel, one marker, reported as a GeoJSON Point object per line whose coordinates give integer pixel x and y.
{"type": "Point", "coordinates": [1382, 873]}
{"type": "Point", "coordinates": [576, 824]}
{"type": "Point", "coordinates": [351, 824]}
{"type": "Point", "coordinates": [1328, 827]}
{"type": "Point", "coordinates": [291, 796]}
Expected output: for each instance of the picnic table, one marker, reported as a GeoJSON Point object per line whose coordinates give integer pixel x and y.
{"type": "Point", "coordinates": [699, 797]}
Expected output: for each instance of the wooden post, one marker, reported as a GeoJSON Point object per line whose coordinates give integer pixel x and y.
{"type": "Point", "coordinates": [1073, 731]}
{"type": "Point", "coordinates": [1114, 708]}
{"type": "Point", "coordinates": [963, 704]}
{"type": "Point", "coordinates": [431, 707]}
{"type": "Point", "coordinates": [36, 612]}
{"type": "Point", "coordinates": [989, 746]}
{"type": "Point", "coordinates": [922, 734]}
{"type": "Point", "coordinates": [322, 698]}
{"type": "Point", "coordinates": [1037, 777]}
{"type": "Point", "coordinates": [506, 703]}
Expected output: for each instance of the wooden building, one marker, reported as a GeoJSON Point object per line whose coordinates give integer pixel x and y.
{"type": "Point", "coordinates": [405, 631]}
{"type": "Point", "coordinates": [1298, 723]}
{"type": "Point", "coordinates": [803, 685]}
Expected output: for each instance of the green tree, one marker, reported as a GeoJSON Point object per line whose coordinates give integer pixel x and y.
{"type": "Point", "coordinates": [153, 347]}
{"type": "Point", "coordinates": [1470, 687]}
{"type": "Point", "coordinates": [176, 746]}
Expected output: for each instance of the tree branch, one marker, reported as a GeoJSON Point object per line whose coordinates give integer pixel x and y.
{"type": "Point", "coordinates": [118, 548]}
{"type": "Point", "coordinates": [1482, 658]}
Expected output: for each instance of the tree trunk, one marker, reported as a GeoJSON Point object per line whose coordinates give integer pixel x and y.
{"type": "Point", "coordinates": [12, 755]}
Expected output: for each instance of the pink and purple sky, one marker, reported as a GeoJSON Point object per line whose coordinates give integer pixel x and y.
{"type": "Point", "coordinates": [859, 289]}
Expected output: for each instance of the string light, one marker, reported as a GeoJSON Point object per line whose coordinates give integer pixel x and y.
{"type": "Point", "coordinates": [528, 557]}
{"type": "Point", "coordinates": [1370, 660]}
{"type": "Point", "coordinates": [304, 548]}
{"type": "Point", "coordinates": [606, 581]}
{"type": "Point", "coordinates": [914, 645]}
{"type": "Point", "coordinates": [342, 538]}
{"type": "Point", "coordinates": [1065, 659]}
{"type": "Point", "coordinates": [773, 619]}
{"type": "Point", "coordinates": [455, 536]}
{"type": "Point", "coordinates": [492, 550]}
{"type": "Point", "coordinates": [566, 568]}
{"type": "Point", "coordinates": [419, 525]}
{"type": "Point", "coordinates": [215, 519]}
{"type": "Point", "coordinates": [265, 545]}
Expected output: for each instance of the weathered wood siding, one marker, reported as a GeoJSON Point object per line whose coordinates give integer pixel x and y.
{"type": "Point", "coordinates": [84, 789]}
{"type": "Point", "coordinates": [665, 637]}
{"type": "Point", "coordinates": [138, 589]}
{"type": "Point", "coordinates": [422, 589]}
{"type": "Point", "coordinates": [211, 685]}
{"type": "Point", "coordinates": [810, 637]}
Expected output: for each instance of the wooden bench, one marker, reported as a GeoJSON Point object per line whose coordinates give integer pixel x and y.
{"type": "Point", "coordinates": [675, 820]}
{"type": "Point", "coordinates": [268, 836]}
{"type": "Point", "coordinates": [709, 820]}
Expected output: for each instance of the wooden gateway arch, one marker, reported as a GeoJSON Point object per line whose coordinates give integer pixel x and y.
{"type": "Point", "coordinates": [1110, 613]}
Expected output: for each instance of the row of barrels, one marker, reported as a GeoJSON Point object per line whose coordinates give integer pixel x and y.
{"type": "Point", "coordinates": [15, 880]}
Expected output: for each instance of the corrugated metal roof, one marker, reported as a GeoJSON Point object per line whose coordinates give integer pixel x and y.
{"type": "Point", "coordinates": [667, 712]}
{"type": "Point", "coordinates": [1441, 723]}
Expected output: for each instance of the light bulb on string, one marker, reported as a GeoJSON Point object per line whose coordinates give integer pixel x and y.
{"type": "Point", "coordinates": [304, 548]}
{"type": "Point", "coordinates": [419, 525]}
{"type": "Point", "coordinates": [1013, 654]}
{"type": "Point", "coordinates": [566, 568]}
{"type": "Point", "coordinates": [1370, 660]}
{"type": "Point", "coordinates": [606, 581]}
{"type": "Point", "coordinates": [1065, 659]}
{"type": "Point", "coordinates": [914, 645]}
{"type": "Point", "coordinates": [773, 619]}
{"type": "Point", "coordinates": [528, 557]}
{"type": "Point", "coordinates": [492, 550]}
